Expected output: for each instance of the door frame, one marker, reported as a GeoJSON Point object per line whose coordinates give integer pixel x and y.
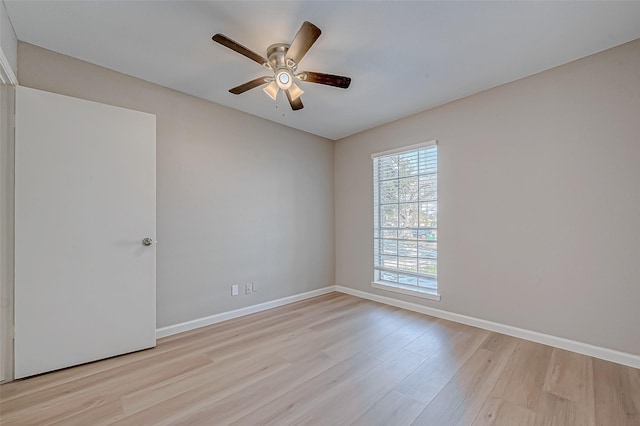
{"type": "Point", "coordinates": [7, 176]}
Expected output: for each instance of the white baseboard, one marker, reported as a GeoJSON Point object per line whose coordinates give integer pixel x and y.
{"type": "Point", "coordinates": [213, 319]}
{"type": "Point", "coordinates": [546, 339]}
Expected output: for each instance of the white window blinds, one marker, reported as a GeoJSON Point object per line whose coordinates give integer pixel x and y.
{"type": "Point", "coordinates": [406, 218]}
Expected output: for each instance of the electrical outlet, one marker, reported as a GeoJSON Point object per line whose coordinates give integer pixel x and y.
{"type": "Point", "coordinates": [248, 288]}
{"type": "Point", "coordinates": [234, 290]}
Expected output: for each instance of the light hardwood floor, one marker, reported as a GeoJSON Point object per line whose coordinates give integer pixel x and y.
{"type": "Point", "coordinates": [333, 360]}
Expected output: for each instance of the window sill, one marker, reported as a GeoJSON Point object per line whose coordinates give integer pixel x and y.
{"type": "Point", "coordinates": [411, 291]}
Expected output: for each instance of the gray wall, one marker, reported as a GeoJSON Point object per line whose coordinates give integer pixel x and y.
{"type": "Point", "coordinates": [240, 199]}
{"type": "Point", "coordinates": [539, 201]}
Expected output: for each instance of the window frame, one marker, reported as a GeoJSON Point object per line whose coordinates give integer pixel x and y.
{"type": "Point", "coordinates": [378, 282]}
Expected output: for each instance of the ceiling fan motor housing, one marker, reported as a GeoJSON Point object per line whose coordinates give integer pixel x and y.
{"type": "Point", "coordinates": [283, 68]}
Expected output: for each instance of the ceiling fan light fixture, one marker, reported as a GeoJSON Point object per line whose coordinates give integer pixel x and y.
{"type": "Point", "coordinates": [284, 79]}
{"type": "Point", "coordinates": [271, 89]}
{"type": "Point", "coordinates": [295, 91]}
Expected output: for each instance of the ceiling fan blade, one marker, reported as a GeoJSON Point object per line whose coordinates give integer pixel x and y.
{"type": "Point", "coordinates": [249, 85]}
{"type": "Point", "coordinates": [322, 78]}
{"type": "Point", "coordinates": [302, 42]}
{"type": "Point", "coordinates": [296, 103]}
{"type": "Point", "coordinates": [227, 42]}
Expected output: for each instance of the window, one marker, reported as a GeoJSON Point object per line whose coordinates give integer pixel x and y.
{"type": "Point", "coordinates": [405, 204]}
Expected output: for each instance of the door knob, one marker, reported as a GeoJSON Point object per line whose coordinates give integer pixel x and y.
{"type": "Point", "coordinates": [147, 242]}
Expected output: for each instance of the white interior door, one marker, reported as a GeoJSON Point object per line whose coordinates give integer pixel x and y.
{"type": "Point", "coordinates": [85, 198]}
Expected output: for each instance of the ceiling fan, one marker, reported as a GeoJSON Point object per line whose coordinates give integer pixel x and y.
{"type": "Point", "coordinates": [283, 60]}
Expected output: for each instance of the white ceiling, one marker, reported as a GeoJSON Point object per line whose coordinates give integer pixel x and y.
{"type": "Point", "coordinates": [403, 57]}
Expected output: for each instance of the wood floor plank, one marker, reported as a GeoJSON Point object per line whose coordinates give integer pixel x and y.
{"type": "Point", "coordinates": [332, 334]}
{"type": "Point", "coordinates": [97, 411]}
{"type": "Point", "coordinates": [450, 347]}
{"type": "Point", "coordinates": [459, 402]}
{"type": "Point", "coordinates": [617, 394]}
{"type": "Point", "coordinates": [55, 402]}
{"type": "Point", "coordinates": [333, 359]}
{"type": "Point", "coordinates": [303, 397]}
{"type": "Point", "coordinates": [291, 341]}
{"type": "Point", "coordinates": [441, 337]}
{"type": "Point", "coordinates": [499, 412]}
{"type": "Point", "coordinates": [389, 345]}
{"type": "Point", "coordinates": [555, 410]}
{"type": "Point", "coordinates": [345, 403]}
{"type": "Point", "coordinates": [523, 378]}
{"type": "Point", "coordinates": [364, 339]}
{"type": "Point", "coordinates": [392, 409]}
{"type": "Point", "coordinates": [243, 402]}
{"type": "Point", "coordinates": [570, 376]}
{"type": "Point", "coordinates": [163, 412]}
{"type": "Point", "coordinates": [568, 395]}
{"type": "Point", "coordinates": [500, 343]}
{"type": "Point", "coordinates": [234, 370]}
